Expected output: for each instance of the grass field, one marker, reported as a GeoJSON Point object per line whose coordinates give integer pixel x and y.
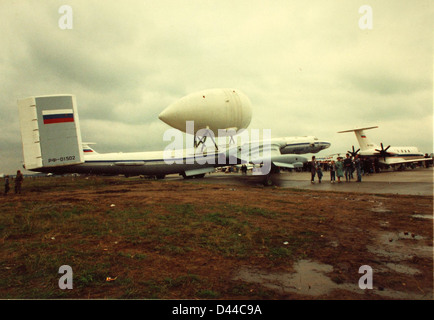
{"type": "Point", "coordinates": [126, 238]}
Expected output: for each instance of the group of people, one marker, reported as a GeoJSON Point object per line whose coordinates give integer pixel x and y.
{"type": "Point", "coordinates": [338, 169]}
{"type": "Point", "coordinates": [18, 181]}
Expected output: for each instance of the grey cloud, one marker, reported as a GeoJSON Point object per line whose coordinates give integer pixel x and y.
{"type": "Point", "coordinates": [307, 68]}
{"type": "Point", "coordinates": [387, 84]}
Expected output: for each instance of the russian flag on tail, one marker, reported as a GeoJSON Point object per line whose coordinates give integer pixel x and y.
{"type": "Point", "coordinates": [58, 116]}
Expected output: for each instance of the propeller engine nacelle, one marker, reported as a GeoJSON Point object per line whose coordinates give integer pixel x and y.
{"type": "Point", "coordinates": [383, 152]}
{"type": "Point", "coordinates": [354, 152]}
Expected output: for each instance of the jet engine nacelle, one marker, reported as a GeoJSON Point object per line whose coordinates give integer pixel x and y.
{"type": "Point", "coordinates": [212, 109]}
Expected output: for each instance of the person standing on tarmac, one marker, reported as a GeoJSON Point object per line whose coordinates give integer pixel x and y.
{"type": "Point", "coordinates": [332, 172]}
{"type": "Point", "coordinates": [18, 181]}
{"type": "Point", "coordinates": [319, 171]}
{"type": "Point", "coordinates": [7, 188]}
{"type": "Point", "coordinates": [339, 169]}
{"type": "Point", "coordinates": [348, 163]}
{"type": "Point", "coordinates": [312, 170]}
{"type": "Point", "coordinates": [358, 165]}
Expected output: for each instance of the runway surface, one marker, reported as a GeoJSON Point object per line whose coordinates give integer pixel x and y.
{"type": "Point", "coordinates": [418, 181]}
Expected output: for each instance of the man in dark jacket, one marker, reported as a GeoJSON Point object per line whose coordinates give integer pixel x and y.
{"type": "Point", "coordinates": [312, 170]}
{"type": "Point", "coordinates": [348, 166]}
{"type": "Point", "coordinates": [18, 181]}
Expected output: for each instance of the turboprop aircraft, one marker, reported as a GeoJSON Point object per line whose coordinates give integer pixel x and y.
{"type": "Point", "coordinates": [389, 156]}
{"type": "Point", "coordinates": [52, 143]}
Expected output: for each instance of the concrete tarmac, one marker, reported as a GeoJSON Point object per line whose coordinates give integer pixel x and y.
{"type": "Point", "coordinates": [417, 181]}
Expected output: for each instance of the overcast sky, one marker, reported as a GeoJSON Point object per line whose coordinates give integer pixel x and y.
{"type": "Point", "coordinates": [307, 67]}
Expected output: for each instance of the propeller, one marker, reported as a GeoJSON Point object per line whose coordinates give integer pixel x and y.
{"type": "Point", "coordinates": [354, 152]}
{"type": "Point", "coordinates": [383, 152]}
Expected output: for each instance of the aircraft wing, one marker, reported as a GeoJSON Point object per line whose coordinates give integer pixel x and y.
{"type": "Point", "coordinates": [398, 160]}
{"type": "Point", "coordinates": [264, 153]}
{"type": "Point", "coordinates": [206, 170]}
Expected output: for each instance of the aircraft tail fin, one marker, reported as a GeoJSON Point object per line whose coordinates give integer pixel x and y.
{"type": "Point", "coordinates": [362, 139]}
{"type": "Point", "coordinates": [50, 132]}
{"type": "Point", "coordinates": [87, 149]}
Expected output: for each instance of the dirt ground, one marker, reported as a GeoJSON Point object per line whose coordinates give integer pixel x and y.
{"type": "Point", "coordinates": [233, 242]}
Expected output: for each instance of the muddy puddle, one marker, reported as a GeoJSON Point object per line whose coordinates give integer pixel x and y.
{"type": "Point", "coordinates": [399, 246]}
{"type": "Point", "coordinates": [423, 216]}
{"type": "Point", "coordinates": [402, 268]}
{"type": "Point", "coordinates": [310, 279]}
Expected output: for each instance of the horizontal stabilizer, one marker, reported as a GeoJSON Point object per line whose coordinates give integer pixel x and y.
{"type": "Point", "coordinates": [358, 129]}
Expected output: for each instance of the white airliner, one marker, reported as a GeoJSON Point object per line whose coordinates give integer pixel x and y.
{"type": "Point", "coordinates": [389, 156]}
{"type": "Point", "coordinates": [52, 143]}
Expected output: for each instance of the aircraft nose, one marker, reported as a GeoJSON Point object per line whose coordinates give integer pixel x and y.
{"type": "Point", "coordinates": [163, 115]}
{"type": "Point", "coordinates": [168, 116]}
{"type": "Point", "coordinates": [325, 145]}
